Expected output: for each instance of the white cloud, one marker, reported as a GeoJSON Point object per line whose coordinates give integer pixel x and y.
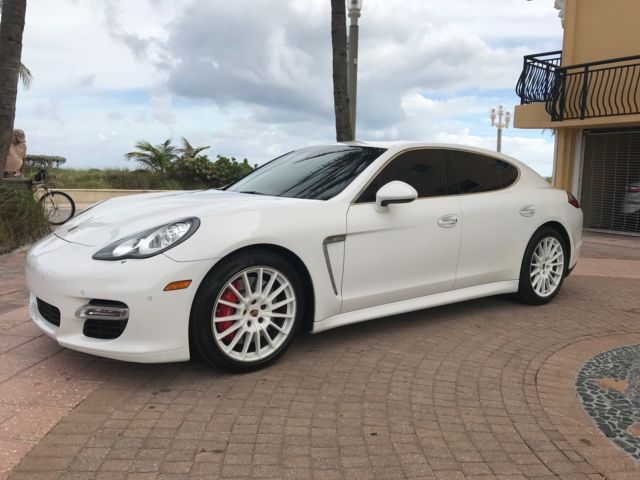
{"type": "Point", "coordinates": [107, 136]}
{"type": "Point", "coordinates": [253, 79]}
{"type": "Point", "coordinates": [85, 81]}
{"type": "Point", "coordinates": [162, 108]}
{"type": "Point", "coordinates": [49, 110]}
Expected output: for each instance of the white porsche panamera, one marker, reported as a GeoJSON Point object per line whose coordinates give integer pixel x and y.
{"type": "Point", "coordinates": [320, 237]}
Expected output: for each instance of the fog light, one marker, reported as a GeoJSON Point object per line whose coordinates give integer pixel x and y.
{"type": "Point", "coordinates": [103, 312]}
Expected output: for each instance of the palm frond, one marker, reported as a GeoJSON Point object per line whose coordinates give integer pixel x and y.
{"type": "Point", "coordinates": [25, 76]}
{"type": "Point", "coordinates": [189, 151]}
{"type": "Point", "coordinates": [153, 157]}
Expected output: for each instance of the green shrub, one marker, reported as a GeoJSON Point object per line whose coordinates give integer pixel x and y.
{"type": "Point", "coordinates": [21, 218]}
{"type": "Point", "coordinates": [184, 174]}
{"type": "Point", "coordinates": [164, 167]}
{"type": "Point", "coordinates": [201, 170]}
{"type": "Point", "coordinates": [110, 178]}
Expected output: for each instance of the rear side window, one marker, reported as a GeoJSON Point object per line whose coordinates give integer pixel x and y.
{"type": "Point", "coordinates": [425, 170]}
{"type": "Point", "coordinates": [478, 173]}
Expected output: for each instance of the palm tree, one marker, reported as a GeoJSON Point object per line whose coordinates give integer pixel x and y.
{"type": "Point", "coordinates": [344, 130]}
{"type": "Point", "coordinates": [11, 29]}
{"type": "Point", "coordinates": [154, 157]}
{"type": "Point", "coordinates": [189, 151]}
{"type": "Point", "coordinates": [24, 74]}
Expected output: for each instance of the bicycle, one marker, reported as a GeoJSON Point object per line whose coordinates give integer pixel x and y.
{"type": "Point", "coordinates": [58, 207]}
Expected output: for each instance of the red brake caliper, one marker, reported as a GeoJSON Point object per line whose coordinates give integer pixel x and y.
{"type": "Point", "coordinates": [227, 311]}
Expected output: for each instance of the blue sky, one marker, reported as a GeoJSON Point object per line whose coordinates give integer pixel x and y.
{"type": "Point", "coordinates": [252, 78]}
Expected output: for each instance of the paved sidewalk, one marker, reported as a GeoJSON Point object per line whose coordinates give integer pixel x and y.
{"type": "Point", "coordinates": [479, 390]}
{"type": "Point", "coordinates": [40, 382]}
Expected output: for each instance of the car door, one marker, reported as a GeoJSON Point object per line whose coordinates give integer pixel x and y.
{"type": "Point", "coordinates": [493, 227]}
{"type": "Point", "coordinates": [411, 249]}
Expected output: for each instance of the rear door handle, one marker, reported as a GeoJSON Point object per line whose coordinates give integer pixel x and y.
{"type": "Point", "coordinates": [528, 211]}
{"type": "Point", "coordinates": [448, 221]}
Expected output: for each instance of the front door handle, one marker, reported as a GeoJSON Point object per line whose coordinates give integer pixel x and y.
{"type": "Point", "coordinates": [448, 221]}
{"type": "Point", "coordinates": [528, 211]}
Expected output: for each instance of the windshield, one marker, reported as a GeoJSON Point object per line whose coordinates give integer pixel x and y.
{"type": "Point", "coordinates": [317, 173]}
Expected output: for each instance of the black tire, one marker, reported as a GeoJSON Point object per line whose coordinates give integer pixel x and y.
{"type": "Point", "coordinates": [201, 330]}
{"type": "Point", "coordinates": [58, 207]}
{"type": "Point", "coordinates": [526, 290]}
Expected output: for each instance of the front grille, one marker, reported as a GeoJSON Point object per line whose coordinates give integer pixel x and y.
{"type": "Point", "coordinates": [104, 329]}
{"type": "Point", "coordinates": [50, 313]}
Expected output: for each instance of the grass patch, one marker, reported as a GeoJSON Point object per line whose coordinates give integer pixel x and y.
{"type": "Point", "coordinates": [114, 178]}
{"type": "Point", "coordinates": [123, 179]}
{"type": "Point", "coordinates": [21, 218]}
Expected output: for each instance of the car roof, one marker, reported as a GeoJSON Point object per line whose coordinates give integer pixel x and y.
{"type": "Point", "coordinates": [526, 174]}
{"type": "Point", "coordinates": [397, 146]}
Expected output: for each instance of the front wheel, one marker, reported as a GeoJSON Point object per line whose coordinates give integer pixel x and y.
{"type": "Point", "coordinates": [58, 207]}
{"type": "Point", "coordinates": [246, 311]}
{"type": "Point", "coordinates": [543, 267]}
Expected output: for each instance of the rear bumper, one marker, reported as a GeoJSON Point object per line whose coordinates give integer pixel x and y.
{"type": "Point", "coordinates": [65, 276]}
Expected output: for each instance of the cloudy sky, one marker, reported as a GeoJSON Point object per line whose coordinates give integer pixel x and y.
{"type": "Point", "coordinates": [252, 78]}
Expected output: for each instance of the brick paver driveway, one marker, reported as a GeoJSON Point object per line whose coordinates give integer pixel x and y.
{"type": "Point", "coordinates": [479, 390]}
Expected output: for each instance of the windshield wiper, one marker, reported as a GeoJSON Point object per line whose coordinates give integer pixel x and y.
{"type": "Point", "coordinates": [252, 192]}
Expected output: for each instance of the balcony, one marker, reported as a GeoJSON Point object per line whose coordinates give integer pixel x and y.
{"type": "Point", "coordinates": [538, 77]}
{"type": "Point", "coordinates": [577, 92]}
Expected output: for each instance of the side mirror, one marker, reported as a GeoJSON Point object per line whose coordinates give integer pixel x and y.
{"type": "Point", "coordinates": [394, 192]}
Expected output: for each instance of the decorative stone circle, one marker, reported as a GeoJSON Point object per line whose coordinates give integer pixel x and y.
{"type": "Point", "coordinates": [609, 387]}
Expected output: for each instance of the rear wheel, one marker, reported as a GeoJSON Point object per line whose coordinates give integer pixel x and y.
{"type": "Point", "coordinates": [543, 267]}
{"type": "Point", "coordinates": [247, 311]}
{"type": "Point", "coordinates": [58, 207]}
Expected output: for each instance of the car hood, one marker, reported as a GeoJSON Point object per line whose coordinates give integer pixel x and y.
{"type": "Point", "coordinates": [120, 217]}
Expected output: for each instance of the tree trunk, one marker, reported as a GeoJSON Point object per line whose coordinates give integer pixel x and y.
{"type": "Point", "coordinates": [344, 130]}
{"type": "Point", "coordinates": [11, 28]}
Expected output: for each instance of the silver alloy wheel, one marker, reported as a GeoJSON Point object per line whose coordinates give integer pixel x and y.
{"type": "Point", "coordinates": [254, 314]}
{"type": "Point", "coordinates": [547, 266]}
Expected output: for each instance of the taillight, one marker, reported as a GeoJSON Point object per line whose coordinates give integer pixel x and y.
{"type": "Point", "coordinates": [573, 200]}
{"type": "Point", "coordinates": [633, 189]}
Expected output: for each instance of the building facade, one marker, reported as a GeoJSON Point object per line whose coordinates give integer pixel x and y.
{"type": "Point", "coordinates": [589, 94]}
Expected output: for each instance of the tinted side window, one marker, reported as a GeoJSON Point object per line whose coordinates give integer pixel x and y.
{"type": "Point", "coordinates": [425, 170]}
{"type": "Point", "coordinates": [478, 173]}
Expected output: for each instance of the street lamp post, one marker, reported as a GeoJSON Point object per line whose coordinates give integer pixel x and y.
{"type": "Point", "coordinates": [503, 119]}
{"type": "Point", "coordinates": [355, 7]}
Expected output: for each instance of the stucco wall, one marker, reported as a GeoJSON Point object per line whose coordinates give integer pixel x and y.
{"type": "Point", "coordinates": [594, 30]}
{"type": "Point", "coordinates": [600, 30]}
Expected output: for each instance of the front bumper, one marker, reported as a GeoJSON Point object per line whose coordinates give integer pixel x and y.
{"type": "Point", "coordinates": [65, 276]}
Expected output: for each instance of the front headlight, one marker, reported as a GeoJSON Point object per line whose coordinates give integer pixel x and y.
{"type": "Point", "coordinates": [150, 242]}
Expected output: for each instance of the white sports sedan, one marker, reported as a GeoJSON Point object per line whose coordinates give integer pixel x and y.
{"type": "Point", "coordinates": [320, 237]}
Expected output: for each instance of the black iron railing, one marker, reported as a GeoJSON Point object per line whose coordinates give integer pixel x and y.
{"type": "Point", "coordinates": [538, 77]}
{"type": "Point", "coordinates": [589, 90]}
